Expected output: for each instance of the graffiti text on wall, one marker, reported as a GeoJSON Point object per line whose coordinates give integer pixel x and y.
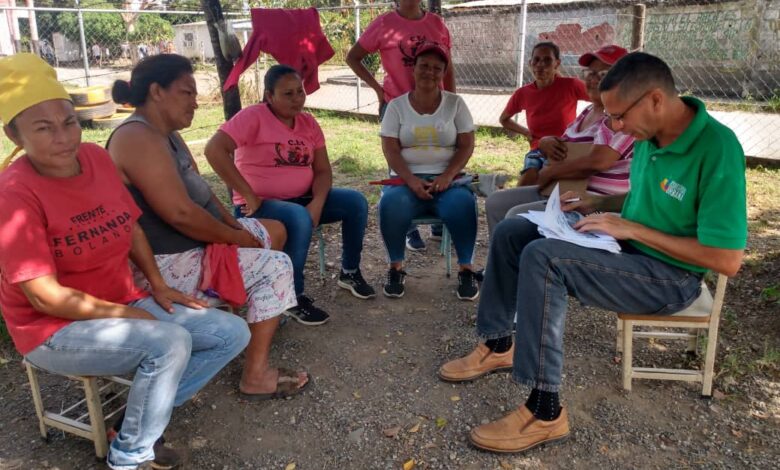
{"type": "Point", "coordinates": [706, 35]}
{"type": "Point", "coordinates": [571, 39]}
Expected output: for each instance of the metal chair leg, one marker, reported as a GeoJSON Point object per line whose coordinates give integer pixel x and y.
{"type": "Point", "coordinates": [446, 249]}
{"type": "Point", "coordinates": [321, 241]}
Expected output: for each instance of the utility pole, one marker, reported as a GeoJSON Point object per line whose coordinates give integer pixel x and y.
{"type": "Point", "coordinates": [231, 99]}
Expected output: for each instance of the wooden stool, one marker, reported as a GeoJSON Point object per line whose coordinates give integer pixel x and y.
{"type": "Point", "coordinates": [703, 314]}
{"type": "Point", "coordinates": [95, 428]}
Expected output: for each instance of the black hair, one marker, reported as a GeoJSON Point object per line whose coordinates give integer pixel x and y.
{"type": "Point", "coordinates": [548, 44]}
{"type": "Point", "coordinates": [162, 69]}
{"type": "Point", "coordinates": [636, 73]}
{"type": "Point", "coordinates": [274, 74]}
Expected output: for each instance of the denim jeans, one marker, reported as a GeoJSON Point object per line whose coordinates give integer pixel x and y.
{"type": "Point", "coordinates": [171, 360]}
{"type": "Point", "coordinates": [532, 276]}
{"type": "Point", "coordinates": [342, 205]}
{"type": "Point", "coordinates": [457, 208]}
{"type": "Point", "coordinates": [513, 200]}
{"type": "Point", "coordinates": [534, 159]}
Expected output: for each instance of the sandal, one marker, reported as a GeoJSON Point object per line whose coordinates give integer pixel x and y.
{"type": "Point", "coordinates": [286, 386]}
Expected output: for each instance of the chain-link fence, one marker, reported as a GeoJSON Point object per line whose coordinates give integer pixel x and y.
{"type": "Point", "coordinates": [723, 51]}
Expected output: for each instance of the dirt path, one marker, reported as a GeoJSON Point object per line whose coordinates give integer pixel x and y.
{"type": "Point", "coordinates": [376, 402]}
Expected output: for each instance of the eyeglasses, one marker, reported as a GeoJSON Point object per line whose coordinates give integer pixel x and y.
{"type": "Point", "coordinates": [588, 74]}
{"type": "Point", "coordinates": [619, 117]}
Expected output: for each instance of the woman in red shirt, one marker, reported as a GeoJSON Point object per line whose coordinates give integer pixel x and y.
{"type": "Point", "coordinates": [67, 229]}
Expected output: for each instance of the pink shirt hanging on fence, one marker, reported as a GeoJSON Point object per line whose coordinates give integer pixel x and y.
{"type": "Point", "coordinates": [293, 37]}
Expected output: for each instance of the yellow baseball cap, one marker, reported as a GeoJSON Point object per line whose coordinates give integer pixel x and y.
{"type": "Point", "coordinates": [26, 80]}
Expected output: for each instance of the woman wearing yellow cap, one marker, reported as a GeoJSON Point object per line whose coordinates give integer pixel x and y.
{"type": "Point", "coordinates": [67, 229]}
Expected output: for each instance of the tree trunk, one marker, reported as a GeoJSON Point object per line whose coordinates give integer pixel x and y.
{"type": "Point", "coordinates": [231, 100]}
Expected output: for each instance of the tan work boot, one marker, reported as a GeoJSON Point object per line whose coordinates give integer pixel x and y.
{"type": "Point", "coordinates": [477, 363]}
{"type": "Point", "coordinates": [519, 431]}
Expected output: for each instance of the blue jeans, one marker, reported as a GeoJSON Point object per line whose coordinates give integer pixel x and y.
{"type": "Point", "coordinates": [532, 276]}
{"type": "Point", "coordinates": [171, 360]}
{"type": "Point", "coordinates": [342, 205]}
{"type": "Point", "coordinates": [534, 159]}
{"type": "Point", "coordinates": [457, 208]}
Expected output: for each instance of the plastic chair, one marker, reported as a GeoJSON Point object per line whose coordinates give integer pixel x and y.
{"type": "Point", "coordinates": [703, 314]}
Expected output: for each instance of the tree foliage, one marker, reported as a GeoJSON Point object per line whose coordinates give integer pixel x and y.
{"type": "Point", "coordinates": [105, 29]}
{"type": "Point", "coordinates": [110, 30]}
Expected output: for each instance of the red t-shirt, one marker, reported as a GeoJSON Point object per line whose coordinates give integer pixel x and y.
{"type": "Point", "coordinates": [78, 228]}
{"type": "Point", "coordinates": [548, 110]}
{"type": "Point", "coordinates": [275, 160]}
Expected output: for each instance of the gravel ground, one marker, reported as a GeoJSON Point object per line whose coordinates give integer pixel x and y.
{"type": "Point", "coordinates": [376, 403]}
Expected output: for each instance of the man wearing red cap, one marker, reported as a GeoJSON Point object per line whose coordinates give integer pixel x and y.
{"type": "Point", "coordinates": [684, 215]}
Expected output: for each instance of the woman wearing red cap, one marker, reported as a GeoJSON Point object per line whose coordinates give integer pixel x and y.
{"type": "Point", "coordinates": [607, 165]}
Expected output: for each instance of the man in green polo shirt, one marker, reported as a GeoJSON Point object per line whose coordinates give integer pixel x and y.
{"type": "Point", "coordinates": [684, 215]}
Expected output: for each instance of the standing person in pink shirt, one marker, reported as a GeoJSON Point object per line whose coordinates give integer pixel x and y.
{"type": "Point", "coordinates": [397, 36]}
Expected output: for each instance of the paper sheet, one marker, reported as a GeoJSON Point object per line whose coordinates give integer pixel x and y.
{"type": "Point", "coordinates": [556, 224]}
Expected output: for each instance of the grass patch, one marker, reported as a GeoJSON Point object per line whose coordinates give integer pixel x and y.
{"type": "Point", "coordinates": [771, 294]}
{"type": "Point", "coordinates": [740, 362]}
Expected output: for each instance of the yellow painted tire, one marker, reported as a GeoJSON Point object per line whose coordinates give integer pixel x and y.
{"type": "Point", "coordinates": [88, 113]}
{"type": "Point", "coordinates": [124, 109]}
{"type": "Point", "coordinates": [90, 96]}
{"type": "Point", "coordinates": [109, 122]}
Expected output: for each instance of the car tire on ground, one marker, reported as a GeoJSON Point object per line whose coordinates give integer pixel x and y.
{"type": "Point", "coordinates": [109, 122]}
{"type": "Point", "coordinates": [87, 113]}
{"type": "Point", "coordinates": [90, 96]}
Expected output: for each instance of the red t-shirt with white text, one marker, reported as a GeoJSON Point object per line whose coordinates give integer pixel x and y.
{"type": "Point", "coordinates": [78, 229]}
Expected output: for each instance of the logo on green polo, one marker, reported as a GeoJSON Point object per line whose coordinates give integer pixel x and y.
{"type": "Point", "coordinates": [673, 188]}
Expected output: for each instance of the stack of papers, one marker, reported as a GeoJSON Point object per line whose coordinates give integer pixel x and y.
{"type": "Point", "coordinates": [556, 224]}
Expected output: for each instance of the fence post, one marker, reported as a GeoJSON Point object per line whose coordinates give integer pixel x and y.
{"type": "Point", "coordinates": [83, 42]}
{"type": "Point", "coordinates": [638, 28]}
{"type": "Point", "coordinates": [357, 37]}
{"type": "Point", "coordinates": [523, 20]}
{"type": "Point", "coordinates": [34, 41]}
{"type": "Point", "coordinates": [15, 33]}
